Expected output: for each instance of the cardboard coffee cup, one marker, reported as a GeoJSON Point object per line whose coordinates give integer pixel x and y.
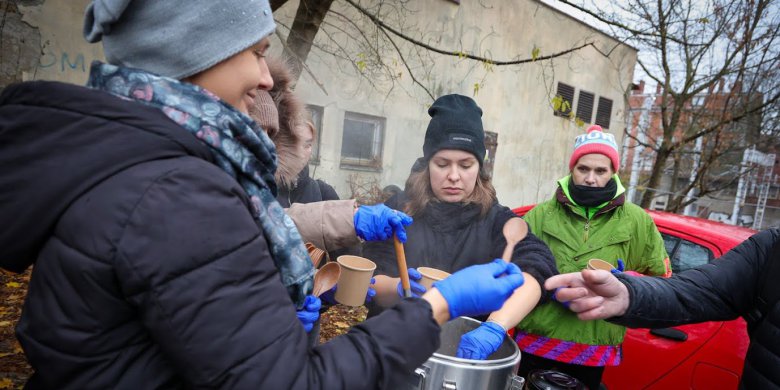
{"type": "Point", "coordinates": [430, 275]}
{"type": "Point", "coordinates": [595, 264]}
{"type": "Point", "coordinates": [356, 273]}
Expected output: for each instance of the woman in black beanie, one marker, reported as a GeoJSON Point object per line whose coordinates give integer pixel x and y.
{"type": "Point", "coordinates": [458, 222]}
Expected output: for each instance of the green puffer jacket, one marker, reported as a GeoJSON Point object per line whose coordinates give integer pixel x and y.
{"type": "Point", "coordinates": [615, 230]}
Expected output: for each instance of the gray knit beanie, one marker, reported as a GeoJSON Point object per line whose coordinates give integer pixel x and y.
{"type": "Point", "coordinates": [176, 38]}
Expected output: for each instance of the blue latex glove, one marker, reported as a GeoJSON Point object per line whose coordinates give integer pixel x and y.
{"type": "Point", "coordinates": [417, 289]}
{"type": "Point", "coordinates": [619, 268]}
{"type": "Point", "coordinates": [480, 289]}
{"type": "Point", "coordinates": [481, 342]}
{"type": "Point", "coordinates": [378, 222]}
{"type": "Point", "coordinates": [330, 296]}
{"type": "Point", "coordinates": [310, 312]}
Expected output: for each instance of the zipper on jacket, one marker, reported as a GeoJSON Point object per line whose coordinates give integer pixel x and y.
{"type": "Point", "coordinates": [586, 228]}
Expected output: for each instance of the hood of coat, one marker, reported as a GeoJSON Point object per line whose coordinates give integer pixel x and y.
{"type": "Point", "coordinates": [294, 122]}
{"type": "Point", "coordinates": [57, 141]}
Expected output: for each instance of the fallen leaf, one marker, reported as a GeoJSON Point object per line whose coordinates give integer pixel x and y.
{"type": "Point", "coordinates": [13, 284]}
{"type": "Point", "coordinates": [5, 383]}
{"type": "Point", "coordinates": [5, 323]}
{"type": "Point", "coordinates": [341, 324]}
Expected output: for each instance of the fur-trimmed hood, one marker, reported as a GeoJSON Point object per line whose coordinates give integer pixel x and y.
{"type": "Point", "coordinates": [294, 122]}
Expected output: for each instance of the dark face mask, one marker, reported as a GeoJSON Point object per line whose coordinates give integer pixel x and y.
{"type": "Point", "coordinates": [592, 196]}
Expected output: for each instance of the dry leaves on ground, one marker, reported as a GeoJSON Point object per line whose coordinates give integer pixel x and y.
{"type": "Point", "coordinates": [14, 369]}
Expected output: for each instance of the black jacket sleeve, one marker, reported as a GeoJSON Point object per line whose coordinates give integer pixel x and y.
{"type": "Point", "coordinates": [722, 290]}
{"type": "Point", "coordinates": [531, 254]}
{"type": "Point", "coordinates": [197, 267]}
{"type": "Point", "coordinates": [327, 191]}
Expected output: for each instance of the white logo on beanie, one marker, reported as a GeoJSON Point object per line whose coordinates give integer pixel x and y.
{"type": "Point", "coordinates": [462, 139]}
{"type": "Point", "coordinates": [597, 137]}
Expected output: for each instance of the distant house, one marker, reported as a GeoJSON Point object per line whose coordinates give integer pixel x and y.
{"type": "Point", "coordinates": [726, 175]}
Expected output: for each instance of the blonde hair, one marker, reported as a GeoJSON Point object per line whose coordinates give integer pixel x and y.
{"type": "Point", "coordinates": [420, 193]}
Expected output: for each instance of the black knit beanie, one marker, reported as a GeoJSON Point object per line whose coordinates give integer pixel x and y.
{"type": "Point", "coordinates": [456, 123]}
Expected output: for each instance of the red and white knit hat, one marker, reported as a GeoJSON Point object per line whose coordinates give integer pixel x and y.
{"type": "Point", "coordinates": [595, 140]}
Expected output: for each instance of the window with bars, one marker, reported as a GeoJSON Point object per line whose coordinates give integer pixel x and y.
{"type": "Point", "coordinates": [585, 106]}
{"type": "Point", "coordinates": [316, 118]}
{"type": "Point", "coordinates": [361, 143]}
{"type": "Point", "coordinates": [604, 112]}
{"type": "Point", "coordinates": [566, 95]}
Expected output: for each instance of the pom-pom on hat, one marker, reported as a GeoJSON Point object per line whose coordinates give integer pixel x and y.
{"type": "Point", "coordinates": [456, 123]}
{"type": "Point", "coordinates": [176, 39]}
{"type": "Point", "coordinates": [595, 140]}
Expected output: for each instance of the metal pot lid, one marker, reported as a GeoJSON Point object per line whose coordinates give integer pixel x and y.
{"type": "Point", "coordinates": [553, 380]}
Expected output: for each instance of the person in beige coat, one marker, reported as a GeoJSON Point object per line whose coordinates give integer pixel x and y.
{"type": "Point", "coordinates": [331, 224]}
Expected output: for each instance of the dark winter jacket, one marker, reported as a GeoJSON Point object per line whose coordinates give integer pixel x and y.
{"type": "Point", "coordinates": [722, 290]}
{"type": "Point", "coordinates": [305, 190]}
{"type": "Point", "coordinates": [451, 236]}
{"type": "Point", "coordinates": [150, 271]}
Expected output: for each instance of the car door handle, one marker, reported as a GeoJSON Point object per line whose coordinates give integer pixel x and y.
{"type": "Point", "coordinates": [670, 333]}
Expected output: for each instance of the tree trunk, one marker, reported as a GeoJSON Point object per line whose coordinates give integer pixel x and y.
{"type": "Point", "coordinates": [307, 22]}
{"type": "Point", "coordinates": [673, 202]}
{"type": "Point", "coordinates": [655, 174]}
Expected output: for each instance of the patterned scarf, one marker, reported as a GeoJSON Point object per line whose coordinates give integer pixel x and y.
{"type": "Point", "coordinates": [239, 146]}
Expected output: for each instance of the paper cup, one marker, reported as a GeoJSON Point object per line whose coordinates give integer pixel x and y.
{"type": "Point", "coordinates": [430, 275]}
{"type": "Point", "coordinates": [595, 264]}
{"type": "Point", "coordinates": [355, 278]}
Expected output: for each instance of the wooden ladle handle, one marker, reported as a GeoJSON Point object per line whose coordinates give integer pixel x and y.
{"type": "Point", "coordinates": [402, 271]}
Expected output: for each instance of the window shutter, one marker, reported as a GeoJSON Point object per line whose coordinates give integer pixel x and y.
{"type": "Point", "coordinates": [585, 106]}
{"type": "Point", "coordinates": [566, 92]}
{"type": "Point", "coordinates": [604, 112]}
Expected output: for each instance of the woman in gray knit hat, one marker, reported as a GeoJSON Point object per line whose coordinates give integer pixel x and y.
{"type": "Point", "coordinates": [146, 202]}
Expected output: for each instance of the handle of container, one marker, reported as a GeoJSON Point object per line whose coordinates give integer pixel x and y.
{"type": "Point", "coordinates": [422, 374]}
{"type": "Point", "coordinates": [516, 383]}
{"type": "Point", "coordinates": [449, 385]}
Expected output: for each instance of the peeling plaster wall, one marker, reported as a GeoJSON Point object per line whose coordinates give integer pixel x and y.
{"type": "Point", "coordinates": [20, 44]}
{"type": "Point", "coordinates": [42, 40]}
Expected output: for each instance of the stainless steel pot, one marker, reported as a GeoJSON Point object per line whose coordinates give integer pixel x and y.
{"type": "Point", "coordinates": [445, 371]}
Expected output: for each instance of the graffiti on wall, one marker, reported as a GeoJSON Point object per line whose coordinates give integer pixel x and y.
{"type": "Point", "coordinates": [63, 61]}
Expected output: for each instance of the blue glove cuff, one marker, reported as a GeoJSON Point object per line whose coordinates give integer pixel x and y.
{"type": "Point", "coordinates": [494, 326]}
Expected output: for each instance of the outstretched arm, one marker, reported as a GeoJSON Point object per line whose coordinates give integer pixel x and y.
{"type": "Point", "coordinates": [721, 290]}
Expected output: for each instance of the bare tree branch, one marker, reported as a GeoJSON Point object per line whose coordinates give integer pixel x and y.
{"type": "Point", "coordinates": [459, 54]}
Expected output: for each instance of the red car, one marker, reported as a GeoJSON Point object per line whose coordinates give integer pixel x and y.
{"type": "Point", "coordinates": [708, 355]}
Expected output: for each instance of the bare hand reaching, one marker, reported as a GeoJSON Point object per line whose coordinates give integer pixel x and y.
{"type": "Point", "coordinates": [591, 294]}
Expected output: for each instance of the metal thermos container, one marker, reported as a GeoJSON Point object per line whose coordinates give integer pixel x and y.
{"type": "Point", "coordinates": [445, 371]}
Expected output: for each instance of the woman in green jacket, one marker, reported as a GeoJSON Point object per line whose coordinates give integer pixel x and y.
{"type": "Point", "coordinates": [587, 218]}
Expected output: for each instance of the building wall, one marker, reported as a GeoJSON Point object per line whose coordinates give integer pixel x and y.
{"type": "Point", "coordinates": [533, 145]}
{"type": "Point", "coordinates": [42, 40]}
